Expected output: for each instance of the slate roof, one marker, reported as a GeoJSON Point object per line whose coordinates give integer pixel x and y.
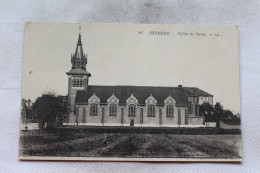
{"type": "Point", "coordinates": [141, 93]}
{"type": "Point", "coordinates": [194, 91]}
{"type": "Point", "coordinates": [78, 71]}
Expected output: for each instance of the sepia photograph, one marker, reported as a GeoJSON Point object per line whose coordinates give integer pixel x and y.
{"type": "Point", "coordinates": [130, 92]}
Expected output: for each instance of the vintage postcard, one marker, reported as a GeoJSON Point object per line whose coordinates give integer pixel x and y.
{"type": "Point", "coordinates": [130, 92]}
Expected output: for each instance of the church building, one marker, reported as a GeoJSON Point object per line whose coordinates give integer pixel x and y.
{"type": "Point", "coordinates": [146, 106]}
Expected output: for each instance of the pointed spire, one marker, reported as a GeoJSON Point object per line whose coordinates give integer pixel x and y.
{"type": "Point", "coordinates": [79, 40]}
{"type": "Point", "coordinates": [79, 55]}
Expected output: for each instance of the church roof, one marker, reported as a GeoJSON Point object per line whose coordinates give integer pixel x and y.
{"type": "Point", "coordinates": [140, 92]}
{"type": "Point", "coordinates": [194, 91]}
{"type": "Point", "coordinates": [78, 71]}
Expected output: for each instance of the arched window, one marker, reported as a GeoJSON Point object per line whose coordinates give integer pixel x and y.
{"type": "Point", "coordinates": [131, 110]}
{"type": "Point", "coordinates": [112, 109]}
{"type": "Point", "coordinates": [151, 110]}
{"type": "Point", "coordinates": [77, 82]}
{"type": "Point", "coordinates": [94, 109]}
{"type": "Point", "coordinates": [169, 110]}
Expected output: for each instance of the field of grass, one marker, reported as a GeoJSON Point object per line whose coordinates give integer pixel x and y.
{"type": "Point", "coordinates": [132, 145]}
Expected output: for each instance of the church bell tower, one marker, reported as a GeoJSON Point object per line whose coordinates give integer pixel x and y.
{"type": "Point", "coordinates": [78, 76]}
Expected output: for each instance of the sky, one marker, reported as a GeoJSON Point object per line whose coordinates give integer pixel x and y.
{"type": "Point", "coordinates": [129, 54]}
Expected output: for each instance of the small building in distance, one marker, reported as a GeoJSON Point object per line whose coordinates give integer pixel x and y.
{"type": "Point", "coordinates": [27, 116]}
{"type": "Point", "coordinates": [147, 106]}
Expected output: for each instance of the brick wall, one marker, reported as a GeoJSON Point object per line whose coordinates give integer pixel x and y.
{"type": "Point", "coordinates": [73, 91]}
{"type": "Point", "coordinates": [127, 118]}
{"type": "Point", "coordinates": [151, 120]}
{"type": "Point", "coordinates": [194, 103]}
{"type": "Point", "coordinates": [122, 118]}
{"type": "Point", "coordinates": [196, 120]}
{"type": "Point", "coordinates": [108, 119]}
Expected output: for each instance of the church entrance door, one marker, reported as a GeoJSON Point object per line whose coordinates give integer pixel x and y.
{"type": "Point", "coordinates": [132, 122]}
